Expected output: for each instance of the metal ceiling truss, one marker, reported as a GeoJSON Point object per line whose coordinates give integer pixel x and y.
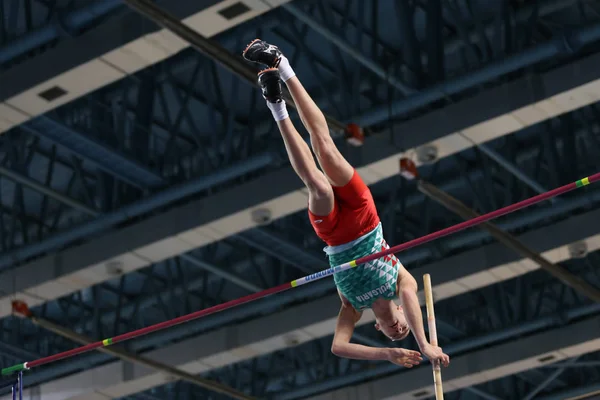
{"type": "Point", "coordinates": [188, 117]}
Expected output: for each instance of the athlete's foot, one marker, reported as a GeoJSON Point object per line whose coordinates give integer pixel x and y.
{"type": "Point", "coordinates": [270, 83]}
{"type": "Point", "coordinates": [261, 52]}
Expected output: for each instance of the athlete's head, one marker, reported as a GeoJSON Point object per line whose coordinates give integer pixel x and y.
{"type": "Point", "coordinates": [390, 320]}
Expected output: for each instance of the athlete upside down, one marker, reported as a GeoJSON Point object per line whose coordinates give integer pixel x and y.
{"type": "Point", "coordinates": [343, 214]}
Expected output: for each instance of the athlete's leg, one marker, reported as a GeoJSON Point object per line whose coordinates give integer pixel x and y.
{"type": "Point", "coordinates": [335, 166]}
{"type": "Point", "coordinates": [320, 192]}
{"type": "Point", "coordinates": [338, 170]}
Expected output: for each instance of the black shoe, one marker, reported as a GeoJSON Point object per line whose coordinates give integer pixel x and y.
{"type": "Point", "coordinates": [261, 52]}
{"type": "Point", "coordinates": [270, 83]}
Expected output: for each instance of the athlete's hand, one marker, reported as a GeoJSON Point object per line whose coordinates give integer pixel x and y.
{"type": "Point", "coordinates": [403, 357]}
{"type": "Point", "coordinates": [435, 354]}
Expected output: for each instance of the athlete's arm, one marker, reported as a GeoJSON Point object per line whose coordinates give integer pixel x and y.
{"type": "Point", "coordinates": [407, 287]}
{"type": "Point", "coordinates": [341, 347]}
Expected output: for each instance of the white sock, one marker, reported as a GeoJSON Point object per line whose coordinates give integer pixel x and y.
{"type": "Point", "coordinates": [285, 70]}
{"type": "Point", "coordinates": [279, 110]}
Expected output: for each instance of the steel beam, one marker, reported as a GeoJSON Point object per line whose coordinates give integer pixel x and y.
{"type": "Point", "coordinates": [107, 161]}
{"type": "Point", "coordinates": [144, 302]}
{"type": "Point", "coordinates": [481, 393]}
{"type": "Point", "coordinates": [270, 243]}
{"type": "Point", "coordinates": [434, 41]}
{"type": "Point", "coordinates": [96, 153]}
{"type": "Point", "coordinates": [94, 43]}
{"type": "Point", "coordinates": [575, 393]}
{"type": "Point", "coordinates": [510, 241]}
{"type": "Point", "coordinates": [143, 206]}
{"type": "Point", "coordinates": [579, 364]}
{"type": "Point", "coordinates": [17, 352]}
{"type": "Point", "coordinates": [563, 45]}
{"type": "Point", "coordinates": [348, 49]}
{"type": "Point", "coordinates": [211, 48]}
{"type": "Point", "coordinates": [94, 213]}
{"type": "Point", "coordinates": [551, 378]}
{"type": "Point", "coordinates": [74, 21]}
{"type": "Point", "coordinates": [236, 280]}
{"type": "Point", "coordinates": [42, 189]}
{"type": "Point", "coordinates": [510, 167]}
{"type": "Point", "coordinates": [146, 362]}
